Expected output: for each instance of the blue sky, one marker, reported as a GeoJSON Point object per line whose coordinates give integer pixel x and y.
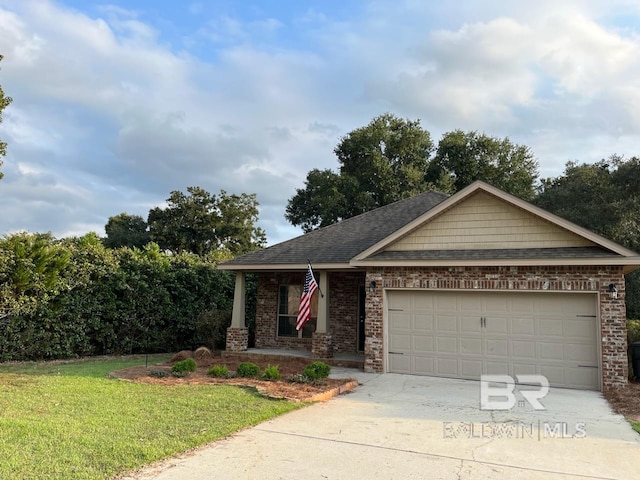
{"type": "Point", "coordinates": [118, 103]}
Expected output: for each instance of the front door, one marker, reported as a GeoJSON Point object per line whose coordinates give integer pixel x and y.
{"type": "Point", "coordinates": [362, 295]}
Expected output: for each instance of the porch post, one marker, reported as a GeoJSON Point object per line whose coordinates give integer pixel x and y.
{"type": "Point", "coordinates": [239, 293]}
{"type": "Point", "coordinates": [238, 333]}
{"type": "Point", "coordinates": [321, 345]}
{"type": "Point", "coordinates": [323, 304]}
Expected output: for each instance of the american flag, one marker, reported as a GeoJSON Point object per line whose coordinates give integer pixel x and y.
{"type": "Point", "coordinates": [304, 312]}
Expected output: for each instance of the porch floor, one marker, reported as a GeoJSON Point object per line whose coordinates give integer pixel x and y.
{"type": "Point", "coordinates": [342, 359]}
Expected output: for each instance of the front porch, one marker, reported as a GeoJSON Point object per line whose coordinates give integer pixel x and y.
{"type": "Point", "coordinates": [340, 359]}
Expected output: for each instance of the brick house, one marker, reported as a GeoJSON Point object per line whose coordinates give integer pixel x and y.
{"type": "Point", "coordinates": [453, 286]}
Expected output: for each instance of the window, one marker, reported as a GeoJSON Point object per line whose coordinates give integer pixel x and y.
{"type": "Point", "coordinates": [288, 303]}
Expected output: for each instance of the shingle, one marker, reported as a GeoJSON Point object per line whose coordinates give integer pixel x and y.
{"type": "Point", "coordinates": [340, 242]}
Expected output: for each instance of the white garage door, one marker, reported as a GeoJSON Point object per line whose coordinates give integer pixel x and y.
{"type": "Point", "coordinates": [463, 335]}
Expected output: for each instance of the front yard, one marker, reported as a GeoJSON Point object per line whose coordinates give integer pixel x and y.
{"type": "Point", "coordinates": [68, 420]}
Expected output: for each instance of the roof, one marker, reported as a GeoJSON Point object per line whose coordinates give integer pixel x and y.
{"type": "Point", "coordinates": [363, 240]}
{"type": "Point", "coordinates": [340, 242]}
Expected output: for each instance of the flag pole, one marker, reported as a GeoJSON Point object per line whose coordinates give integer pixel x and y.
{"type": "Point", "coordinates": [309, 262]}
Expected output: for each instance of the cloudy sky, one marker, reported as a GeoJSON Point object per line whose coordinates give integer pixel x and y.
{"type": "Point", "coordinates": [118, 102]}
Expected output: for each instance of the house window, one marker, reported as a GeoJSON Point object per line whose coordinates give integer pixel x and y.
{"type": "Point", "coordinates": [288, 303]}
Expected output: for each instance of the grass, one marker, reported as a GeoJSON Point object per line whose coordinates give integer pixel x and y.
{"type": "Point", "coordinates": [67, 420]}
{"type": "Point", "coordinates": [635, 425]}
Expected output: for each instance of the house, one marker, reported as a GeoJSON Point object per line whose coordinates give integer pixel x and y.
{"type": "Point", "coordinates": [453, 286]}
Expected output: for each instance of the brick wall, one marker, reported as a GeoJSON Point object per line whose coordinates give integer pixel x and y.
{"type": "Point", "coordinates": [343, 311]}
{"type": "Point", "coordinates": [612, 310]}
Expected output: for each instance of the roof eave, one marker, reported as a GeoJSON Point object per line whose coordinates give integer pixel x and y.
{"type": "Point", "coordinates": [261, 267]}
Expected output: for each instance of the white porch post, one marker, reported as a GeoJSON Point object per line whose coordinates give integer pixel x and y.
{"type": "Point", "coordinates": [237, 317]}
{"type": "Point", "coordinates": [323, 304]}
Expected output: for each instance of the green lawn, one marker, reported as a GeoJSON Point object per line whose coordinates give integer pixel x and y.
{"type": "Point", "coordinates": [635, 425]}
{"type": "Point", "coordinates": [67, 420]}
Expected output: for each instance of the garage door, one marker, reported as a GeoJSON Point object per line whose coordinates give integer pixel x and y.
{"type": "Point", "coordinates": [463, 335]}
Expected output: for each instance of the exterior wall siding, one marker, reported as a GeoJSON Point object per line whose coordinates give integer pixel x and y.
{"type": "Point", "coordinates": [484, 222]}
{"type": "Point", "coordinates": [612, 312]}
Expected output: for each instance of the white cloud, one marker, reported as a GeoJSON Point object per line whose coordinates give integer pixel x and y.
{"type": "Point", "coordinates": [108, 117]}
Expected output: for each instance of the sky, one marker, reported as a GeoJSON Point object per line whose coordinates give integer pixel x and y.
{"type": "Point", "coordinates": [118, 103]}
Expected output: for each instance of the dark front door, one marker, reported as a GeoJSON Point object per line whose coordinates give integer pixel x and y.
{"type": "Point", "coordinates": [362, 295]}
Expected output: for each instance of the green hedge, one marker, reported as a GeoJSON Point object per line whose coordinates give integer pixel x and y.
{"type": "Point", "coordinates": [74, 297]}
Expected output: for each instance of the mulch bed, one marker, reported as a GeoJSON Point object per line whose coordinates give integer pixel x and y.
{"type": "Point", "coordinates": [626, 401]}
{"type": "Point", "coordinates": [284, 389]}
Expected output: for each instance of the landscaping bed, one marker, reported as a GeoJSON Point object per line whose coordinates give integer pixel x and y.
{"type": "Point", "coordinates": [626, 401]}
{"type": "Point", "coordinates": [317, 390]}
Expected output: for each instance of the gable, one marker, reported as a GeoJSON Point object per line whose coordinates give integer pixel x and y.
{"type": "Point", "coordinates": [484, 221]}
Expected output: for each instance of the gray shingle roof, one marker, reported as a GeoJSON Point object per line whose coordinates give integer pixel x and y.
{"type": "Point", "coordinates": [340, 242]}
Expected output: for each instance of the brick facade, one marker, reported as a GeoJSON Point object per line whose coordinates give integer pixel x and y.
{"type": "Point", "coordinates": [343, 311]}
{"type": "Point", "coordinates": [612, 311]}
{"type": "Point", "coordinates": [237, 339]}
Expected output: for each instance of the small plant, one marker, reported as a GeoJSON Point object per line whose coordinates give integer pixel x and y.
{"type": "Point", "coordinates": [179, 374]}
{"type": "Point", "coordinates": [219, 371]}
{"type": "Point", "coordinates": [247, 370]}
{"type": "Point", "coordinates": [299, 378]}
{"type": "Point", "coordinates": [272, 372]}
{"type": "Point", "coordinates": [184, 367]}
{"type": "Point", "coordinates": [158, 373]}
{"type": "Point", "coordinates": [316, 370]}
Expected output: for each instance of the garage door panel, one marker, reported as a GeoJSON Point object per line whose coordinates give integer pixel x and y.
{"type": "Point", "coordinates": [551, 351]}
{"type": "Point", "coordinates": [447, 323]}
{"type": "Point", "coordinates": [423, 365]}
{"type": "Point", "coordinates": [423, 344]}
{"type": "Point", "coordinates": [441, 333]}
{"type": "Point", "coordinates": [446, 344]}
{"type": "Point", "coordinates": [471, 345]}
{"type": "Point", "coordinates": [401, 342]}
{"type": "Point", "coordinates": [423, 322]}
{"type": "Point", "coordinates": [470, 324]}
{"type": "Point", "coordinates": [523, 349]}
{"type": "Point", "coordinates": [497, 347]}
{"type": "Point", "coordinates": [400, 363]}
{"type": "Point", "coordinates": [447, 367]}
{"type": "Point", "coordinates": [471, 369]}
{"type": "Point", "coordinates": [523, 326]}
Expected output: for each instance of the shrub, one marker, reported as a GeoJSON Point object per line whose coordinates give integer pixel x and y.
{"type": "Point", "coordinates": [633, 330]}
{"type": "Point", "coordinates": [299, 378]}
{"type": "Point", "coordinates": [184, 366]}
{"type": "Point", "coordinates": [272, 372]}
{"type": "Point", "coordinates": [248, 370]}
{"type": "Point", "coordinates": [316, 370]}
{"type": "Point", "coordinates": [158, 373]}
{"type": "Point", "coordinates": [218, 371]}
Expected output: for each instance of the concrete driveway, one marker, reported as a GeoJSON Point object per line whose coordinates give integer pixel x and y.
{"type": "Point", "coordinates": [401, 427]}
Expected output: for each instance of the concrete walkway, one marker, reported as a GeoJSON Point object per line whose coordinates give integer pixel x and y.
{"type": "Point", "coordinates": [402, 427]}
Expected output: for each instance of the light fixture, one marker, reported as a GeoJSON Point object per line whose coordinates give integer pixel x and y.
{"type": "Point", "coordinates": [613, 291]}
{"type": "Point", "coordinates": [372, 286]}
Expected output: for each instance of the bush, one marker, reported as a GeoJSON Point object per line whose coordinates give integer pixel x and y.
{"type": "Point", "coordinates": [633, 330]}
{"type": "Point", "coordinates": [184, 366]}
{"type": "Point", "coordinates": [316, 370]}
{"type": "Point", "coordinates": [159, 373]}
{"type": "Point", "coordinates": [299, 378]}
{"type": "Point", "coordinates": [218, 371]}
{"type": "Point", "coordinates": [272, 372]}
{"type": "Point", "coordinates": [248, 370]}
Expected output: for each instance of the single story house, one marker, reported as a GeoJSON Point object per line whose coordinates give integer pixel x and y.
{"type": "Point", "coordinates": [452, 286]}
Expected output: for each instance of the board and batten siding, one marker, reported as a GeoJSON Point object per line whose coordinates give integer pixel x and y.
{"type": "Point", "coordinates": [485, 222]}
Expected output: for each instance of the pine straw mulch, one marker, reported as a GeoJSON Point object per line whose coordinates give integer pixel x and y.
{"type": "Point", "coordinates": [626, 401]}
{"type": "Point", "coordinates": [281, 389]}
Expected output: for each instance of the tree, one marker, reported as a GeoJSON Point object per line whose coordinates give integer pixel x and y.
{"type": "Point", "coordinates": [4, 103]}
{"type": "Point", "coordinates": [603, 197]}
{"type": "Point", "coordinates": [126, 230]}
{"type": "Point", "coordinates": [380, 163]}
{"type": "Point", "coordinates": [470, 156]}
{"type": "Point", "coordinates": [200, 222]}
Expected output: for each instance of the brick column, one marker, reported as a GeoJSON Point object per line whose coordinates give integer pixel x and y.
{"type": "Point", "coordinates": [237, 339]}
{"type": "Point", "coordinates": [321, 345]}
{"type": "Point", "coordinates": [373, 328]}
{"type": "Point", "coordinates": [613, 314]}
